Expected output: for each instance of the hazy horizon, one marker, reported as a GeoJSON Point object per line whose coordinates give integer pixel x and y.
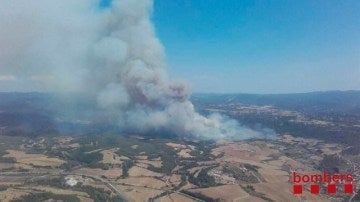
{"type": "Point", "coordinates": [219, 93]}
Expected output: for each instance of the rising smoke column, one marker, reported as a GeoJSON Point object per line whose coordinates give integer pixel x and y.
{"type": "Point", "coordinates": [114, 56]}
{"type": "Point", "coordinates": [140, 90]}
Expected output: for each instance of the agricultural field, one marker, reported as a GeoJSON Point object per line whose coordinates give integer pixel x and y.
{"type": "Point", "coordinates": [129, 168]}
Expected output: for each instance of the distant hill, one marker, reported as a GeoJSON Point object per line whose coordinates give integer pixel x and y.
{"type": "Point", "coordinates": [34, 114]}
{"type": "Point", "coordinates": [333, 116]}
{"type": "Point", "coordinates": [324, 102]}
{"type": "Point", "coordinates": [42, 113]}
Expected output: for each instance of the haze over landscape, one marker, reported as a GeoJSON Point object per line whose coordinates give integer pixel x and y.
{"type": "Point", "coordinates": [118, 61]}
{"type": "Point", "coordinates": [97, 102]}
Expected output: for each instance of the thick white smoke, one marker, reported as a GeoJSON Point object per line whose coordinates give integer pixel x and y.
{"type": "Point", "coordinates": [112, 54]}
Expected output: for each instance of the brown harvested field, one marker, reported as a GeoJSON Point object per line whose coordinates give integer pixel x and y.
{"type": "Point", "coordinates": [277, 163]}
{"type": "Point", "coordinates": [138, 194]}
{"type": "Point", "coordinates": [155, 163]}
{"type": "Point", "coordinates": [6, 165]}
{"type": "Point", "coordinates": [136, 171]}
{"type": "Point", "coordinates": [250, 199]}
{"type": "Point", "coordinates": [175, 145]}
{"type": "Point", "coordinates": [96, 184]}
{"type": "Point", "coordinates": [12, 180]}
{"type": "Point", "coordinates": [297, 165]}
{"type": "Point", "coordinates": [218, 150]}
{"type": "Point", "coordinates": [188, 185]}
{"type": "Point", "coordinates": [175, 179]}
{"type": "Point", "coordinates": [123, 158]}
{"type": "Point", "coordinates": [11, 194]}
{"type": "Point", "coordinates": [58, 191]}
{"type": "Point", "coordinates": [9, 184]}
{"type": "Point", "coordinates": [110, 174]}
{"type": "Point", "coordinates": [295, 140]}
{"type": "Point", "coordinates": [185, 153]}
{"type": "Point", "coordinates": [272, 174]}
{"type": "Point", "coordinates": [224, 192]}
{"type": "Point", "coordinates": [240, 151]}
{"type": "Point", "coordinates": [330, 149]}
{"type": "Point", "coordinates": [34, 159]}
{"type": "Point", "coordinates": [175, 197]}
{"type": "Point", "coordinates": [84, 199]}
{"type": "Point", "coordinates": [110, 157]}
{"type": "Point", "coordinates": [148, 182]}
{"type": "Point", "coordinates": [250, 153]}
{"type": "Point", "coordinates": [275, 178]}
{"type": "Point", "coordinates": [283, 192]}
{"type": "Point", "coordinates": [142, 165]}
{"type": "Point", "coordinates": [255, 151]}
{"type": "Point", "coordinates": [271, 170]}
{"type": "Point", "coordinates": [143, 157]}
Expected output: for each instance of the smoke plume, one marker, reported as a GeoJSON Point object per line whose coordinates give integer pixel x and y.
{"type": "Point", "coordinates": [112, 55]}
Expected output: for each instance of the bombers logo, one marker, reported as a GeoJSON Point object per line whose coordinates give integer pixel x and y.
{"type": "Point", "coordinates": [330, 180]}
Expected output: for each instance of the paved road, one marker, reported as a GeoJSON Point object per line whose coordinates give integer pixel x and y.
{"type": "Point", "coordinates": [108, 184]}
{"type": "Point", "coordinates": [96, 178]}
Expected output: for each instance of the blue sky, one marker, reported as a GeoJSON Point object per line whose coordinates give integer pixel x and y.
{"type": "Point", "coordinates": [249, 46]}
{"type": "Point", "coordinates": [261, 46]}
